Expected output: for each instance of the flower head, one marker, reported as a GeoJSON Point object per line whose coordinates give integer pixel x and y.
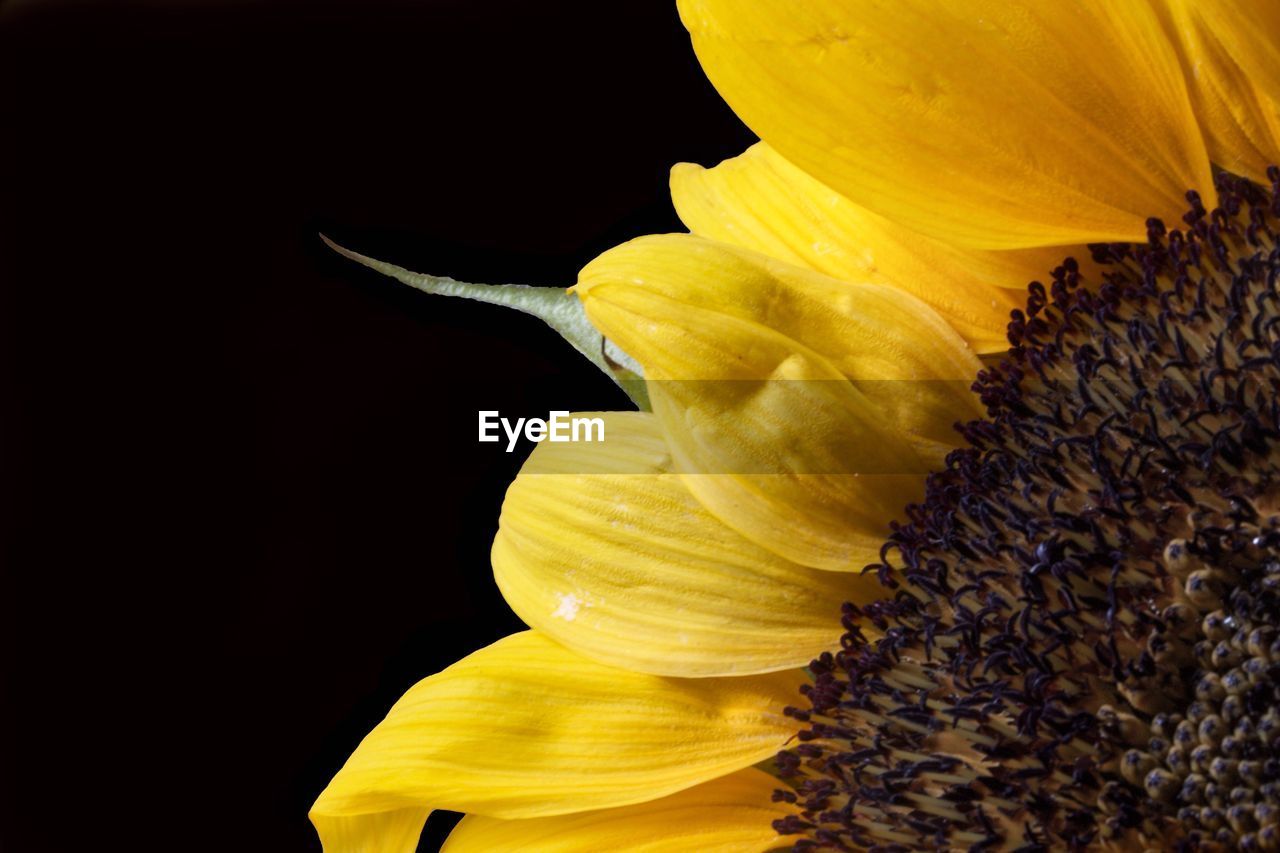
{"type": "Point", "coordinates": [1070, 636]}
{"type": "Point", "coordinates": [1081, 644]}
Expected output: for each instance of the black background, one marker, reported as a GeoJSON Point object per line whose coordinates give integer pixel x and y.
{"type": "Point", "coordinates": [243, 504]}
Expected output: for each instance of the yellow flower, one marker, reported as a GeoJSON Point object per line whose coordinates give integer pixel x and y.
{"type": "Point", "coordinates": [1072, 638]}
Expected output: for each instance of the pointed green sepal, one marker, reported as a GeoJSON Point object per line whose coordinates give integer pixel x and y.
{"type": "Point", "coordinates": [558, 308]}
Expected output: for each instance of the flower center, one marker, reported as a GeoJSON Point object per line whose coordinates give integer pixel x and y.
{"type": "Point", "coordinates": [1081, 644]}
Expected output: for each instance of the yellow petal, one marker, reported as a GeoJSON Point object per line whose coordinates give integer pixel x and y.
{"type": "Point", "coordinates": [732, 814]}
{"type": "Point", "coordinates": [1249, 30]}
{"type": "Point", "coordinates": [980, 122]}
{"type": "Point", "coordinates": [526, 728]}
{"type": "Point", "coordinates": [760, 201]}
{"type": "Point", "coordinates": [668, 297]}
{"type": "Point", "coordinates": [397, 831]}
{"type": "Point", "coordinates": [748, 361]}
{"type": "Point", "coordinates": [1240, 123]}
{"type": "Point", "coordinates": [603, 549]}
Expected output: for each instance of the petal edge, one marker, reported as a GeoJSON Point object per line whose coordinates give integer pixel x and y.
{"type": "Point", "coordinates": [526, 728]}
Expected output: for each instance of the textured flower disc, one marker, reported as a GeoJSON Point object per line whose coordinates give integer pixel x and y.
{"type": "Point", "coordinates": [1081, 649]}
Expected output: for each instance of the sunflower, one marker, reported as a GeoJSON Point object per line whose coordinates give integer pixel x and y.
{"type": "Point", "coordinates": [790, 603]}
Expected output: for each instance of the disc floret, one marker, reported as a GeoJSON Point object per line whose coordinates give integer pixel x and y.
{"type": "Point", "coordinates": [1081, 644]}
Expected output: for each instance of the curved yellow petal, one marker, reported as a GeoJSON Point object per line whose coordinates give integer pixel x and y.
{"type": "Point", "coordinates": [732, 814]}
{"type": "Point", "coordinates": [1241, 124]}
{"type": "Point", "coordinates": [803, 410]}
{"type": "Point", "coordinates": [668, 296]}
{"type": "Point", "coordinates": [1249, 31]}
{"type": "Point", "coordinates": [979, 122]}
{"type": "Point", "coordinates": [397, 831]}
{"type": "Point", "coordinates": [526, 728]}
{"type": "Point", "coordinates": [759, 201]}
{"type": "Point", "coordinates": [605, 550]}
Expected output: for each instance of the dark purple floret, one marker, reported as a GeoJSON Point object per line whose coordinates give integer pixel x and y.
{"type": "Point", "coordinates": [1082, 645]}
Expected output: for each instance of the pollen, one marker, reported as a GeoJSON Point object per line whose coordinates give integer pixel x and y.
{"type": "Point", "coordinates": [1080, 644]}
{"type": "Point", "coordinates": [568, 607]}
